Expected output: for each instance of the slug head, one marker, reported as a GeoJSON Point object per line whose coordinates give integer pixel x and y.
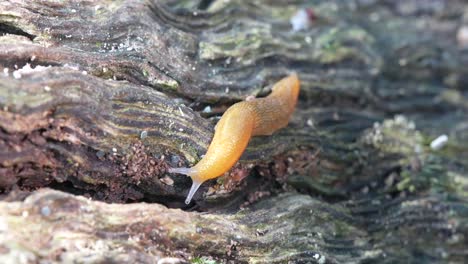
{"type": "Point", "coordinates": [196, 182]}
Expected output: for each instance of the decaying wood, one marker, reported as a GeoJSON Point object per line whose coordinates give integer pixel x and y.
{"type": "Point", "coordinates": [286, 228]}
{"type": "Point", "coordinates": [99, 98]}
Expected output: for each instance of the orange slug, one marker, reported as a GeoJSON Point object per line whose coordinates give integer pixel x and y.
{"type": "Point", "coordinates": [255, 117]}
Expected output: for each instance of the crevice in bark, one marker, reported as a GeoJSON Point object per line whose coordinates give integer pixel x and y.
{"type": "Point", "coordinates": [11, 29]}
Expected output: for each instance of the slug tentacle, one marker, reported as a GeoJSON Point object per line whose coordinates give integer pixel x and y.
{"type": "Point", "coordinates": [185, 171]}
{"type": "Point", "coordinates": [193, 190]}
{"type": "Point", "coordinates": [257, 116]}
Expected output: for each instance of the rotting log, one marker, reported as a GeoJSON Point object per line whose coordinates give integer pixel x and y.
{"type": "Point", "coordinates": [98, 98]}
{"type": "Point", "coordinates": [289, 227]}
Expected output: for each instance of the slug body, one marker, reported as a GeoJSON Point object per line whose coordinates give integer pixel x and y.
{"type": "Point", "coordinates": [260, 116]}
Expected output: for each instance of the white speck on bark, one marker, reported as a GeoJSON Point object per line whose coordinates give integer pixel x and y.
{"type": "Point", "coordinates": [439, 142]}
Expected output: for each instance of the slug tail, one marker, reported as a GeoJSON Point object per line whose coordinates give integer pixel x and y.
{"type": "Point", "coordinates": [185, 171]}
{"type": "Point", "coordinates": [193, 190]}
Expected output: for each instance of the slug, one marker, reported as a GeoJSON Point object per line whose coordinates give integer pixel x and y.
{"type": "Point", "coordinates": [241, 121]}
